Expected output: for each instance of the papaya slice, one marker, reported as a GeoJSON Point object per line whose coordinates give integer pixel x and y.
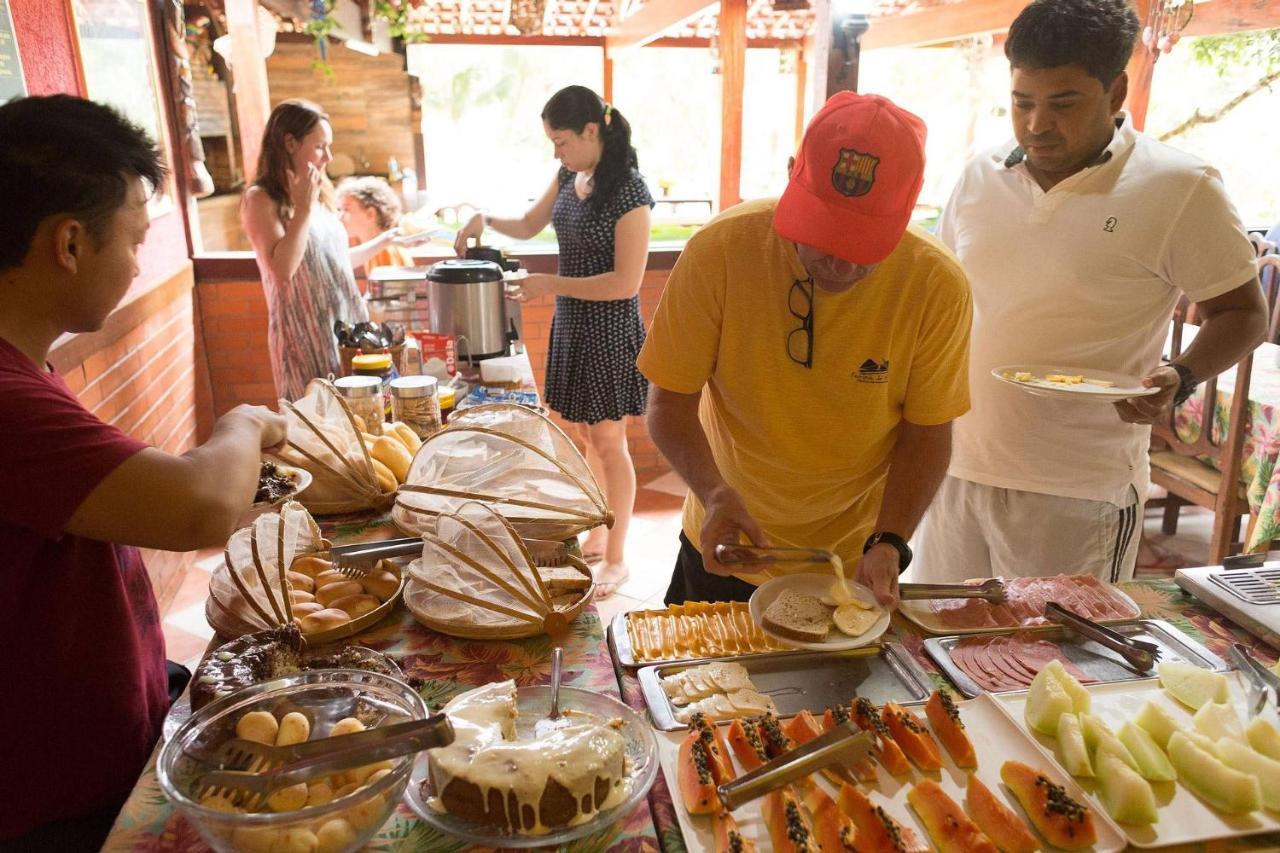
{"type": "Point", "coordinates": [744, 740]}
{"type": "Point", "coordinates": [944, 716]}
{"type": "Point", "coordinates": [833, 830]}
{"type": "Point", "coordinates": [717, 749]}
{"type": "Point", "coordinates": [775, 740]}
{"type": "Point", "coordinates": [804, 727]}
{"type": "Point", "coordinates": [697, 785]}
{"type": "Point", "coordinates": [1000, 823]}
{"type": "Point", "coordinates": [1060, 819]}
{"type": "Point", "coordinates": [868, 718]}
{"type": "Point", "coordinates": [944, 820]}
{"type": "Point", "coordinates": [728, 839]}
{"type": "Point", "coordinates": [876, 831]}
{"type": "Point", "coordinates": [910, 734]}
{"type": "Point", "coordinates": [788, 825]}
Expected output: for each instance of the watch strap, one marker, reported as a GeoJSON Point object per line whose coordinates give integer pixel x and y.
{"type": "Point", "coordinates": [889, 538]}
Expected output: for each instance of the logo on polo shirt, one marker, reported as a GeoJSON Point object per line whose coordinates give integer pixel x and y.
{"type": "Point", "coordinates": [1110, 225]}
{"type": "Point", "coordinates": [874, 372]}
{"type": "Point", "coordinates": [854, 172]}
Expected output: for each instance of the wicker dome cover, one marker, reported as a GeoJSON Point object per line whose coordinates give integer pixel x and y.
{"type": "Point", "coordinates": [512, 459]}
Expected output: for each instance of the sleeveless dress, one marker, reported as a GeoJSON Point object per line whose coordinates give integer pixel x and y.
{"type": "Point", "coordinates": [591, 362]}
{"type": "Point", "coordinates": [301, 309]}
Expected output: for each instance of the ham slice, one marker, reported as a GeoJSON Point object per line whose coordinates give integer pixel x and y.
{"type": "Point", "coordinates": [1009, 662]}
{"type": "Point", "coordinates": [1025, 600]}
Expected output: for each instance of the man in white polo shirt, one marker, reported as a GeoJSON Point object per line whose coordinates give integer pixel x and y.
{"type": "Point", "coordinates": [1078, 241]}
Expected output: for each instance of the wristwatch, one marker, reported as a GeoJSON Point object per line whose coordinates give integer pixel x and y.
{"type": "Point", "coordinates": [899, 544]}
{"type": "Point", "coordinates": [1187, 382]}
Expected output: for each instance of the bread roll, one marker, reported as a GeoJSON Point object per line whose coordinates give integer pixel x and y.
{"type": "Point", "coordinates": [310, 566]}
{"type": "Point", "coordinates": [382, 584]}
{"type": "Point", "coordinates": [394, 455]}
{"type": "Point", "coordinates": [386, 479]}
{"type": "Point", "coordinates": [297, 596]}
{"type": "Point", "coordinates": [299, 581]}
{"type": "Point", "coordinates": [330, 576]}
{"type": "Point", "coordinates": [356, 605]}
{"type": "Point", "coordinates": [323, 620]}
{"type": "Point", "coordinates": [306, 609]}
{"type": "Point", "coordinates": [330, 593]}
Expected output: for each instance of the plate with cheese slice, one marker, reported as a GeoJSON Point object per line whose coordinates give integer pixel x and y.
{"type": "Point", "coordinates": [1080, 383]}
{"type": "Point", "coordinates": [799, 611]}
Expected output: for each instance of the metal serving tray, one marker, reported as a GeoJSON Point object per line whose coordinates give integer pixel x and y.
{"type": "Point", "coordinates": [811, 681]}
{"type": "Point", "coordinates": [620, 646]}
{"type": "Point", "coordinates": [1092, 659]}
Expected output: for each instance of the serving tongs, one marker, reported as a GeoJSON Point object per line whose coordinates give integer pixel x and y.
{"type": "Point", "coordinates": [1260, 683]}
{"type": "Point", "coordinates": [256, 770]}
{"type": "Point", "coordinates": [991, 590]}
{"type": "Point", "coordinates": [366, 553]}
{"type": "Point", "coordinates": [845, 745]}
{"type": "Point", "coordinates": [1139, 654]}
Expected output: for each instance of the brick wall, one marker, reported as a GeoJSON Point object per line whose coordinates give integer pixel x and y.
{"type": "Point", "coordinates": [144, 373]}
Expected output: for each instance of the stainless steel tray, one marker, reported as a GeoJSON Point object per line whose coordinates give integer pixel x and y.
{"type": "Point", "coordinates": [1094, 660]}
{"type": "Point", "coordinates": [811, 681]}
{"type": "Point", "coordinates": [620, 646]}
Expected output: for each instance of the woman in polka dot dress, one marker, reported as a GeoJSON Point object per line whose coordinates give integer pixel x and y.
{"type": "Point", "coordinates": [600, 207]}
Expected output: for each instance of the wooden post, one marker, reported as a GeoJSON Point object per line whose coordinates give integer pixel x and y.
{"type": "Point", "coordinates": [802, 74]}
{"type": "Point", "coordinates": [249, 71]}
{"type": "Point", "coordinates": [608, 74]}
{"type": "Point", "coordinates": [1141, 70]}
{"type": "Point", "coordinates": [846, 52]}
{"type": "Point", "coordinates": [733, 77]}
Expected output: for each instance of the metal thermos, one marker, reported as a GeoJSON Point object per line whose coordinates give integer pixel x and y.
{"type": "Point", "coordinates": [466, 299]}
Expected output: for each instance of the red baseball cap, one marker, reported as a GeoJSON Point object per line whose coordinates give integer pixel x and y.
{"type": "Point", "coordinates": [855, 179]}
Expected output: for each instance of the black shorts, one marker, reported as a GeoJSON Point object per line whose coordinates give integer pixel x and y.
{"type": "Point", "coordinates": [691, 582]}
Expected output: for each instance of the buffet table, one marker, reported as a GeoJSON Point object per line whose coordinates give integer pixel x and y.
{"type": "Point", "coordinates": [446, 666]}
{"type": "Point", "coordinates": [1158, 599]}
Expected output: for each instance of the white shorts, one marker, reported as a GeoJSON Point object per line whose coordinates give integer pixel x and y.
{"type": "Point", "coordinates": [977, 531]}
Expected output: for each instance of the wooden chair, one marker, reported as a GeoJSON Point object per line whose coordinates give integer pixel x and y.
{"type": "Point", "coordinates": [1174, 463]}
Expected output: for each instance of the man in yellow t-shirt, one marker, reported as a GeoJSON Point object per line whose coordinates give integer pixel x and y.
{"type": "Point", "coordinates": [808, 357]}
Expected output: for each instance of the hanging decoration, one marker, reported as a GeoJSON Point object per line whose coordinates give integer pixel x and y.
{"type": "Point", "coordinates": [1166, 19]}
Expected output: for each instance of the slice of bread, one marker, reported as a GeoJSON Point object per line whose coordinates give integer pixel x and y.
{"type": "Point", "coordinates": [796, 616]}
{"type": "Point", "coordinates": [563, 579]}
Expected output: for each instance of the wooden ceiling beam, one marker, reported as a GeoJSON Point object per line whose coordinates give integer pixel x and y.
{"type": "Point", "coordinates": [941, 23]}
{"type": "Point", "coordinates": [588, 15]}
{"type": "Point", "coordinates": [1219, 17]}
{"type": "Point", "coordinates": [654, 18]}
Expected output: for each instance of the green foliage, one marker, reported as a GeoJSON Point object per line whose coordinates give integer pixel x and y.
{"type": "Point", "coordinates": [1256, 48]}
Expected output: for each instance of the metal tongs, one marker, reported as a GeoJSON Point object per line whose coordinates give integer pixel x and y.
{"type": "Point", "coordinates": [257, 770]}
{"type": "Point", "coordinates": [1260, 682]}
{"type": "Point", "coordinates": [1139, 654]}
{"type": "Point", "coordinates": [844, 745]}
{"type": "Point", "coordinates": [363, 552]}
{"type": "Point", "coordinates": [991, 590]}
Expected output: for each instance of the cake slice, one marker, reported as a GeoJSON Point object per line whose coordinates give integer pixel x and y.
{"type": "Point", "coordinates": [799, 617]}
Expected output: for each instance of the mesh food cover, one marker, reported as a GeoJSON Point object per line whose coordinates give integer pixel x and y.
{"type": "Point", "coordinates": [326, 440]}
{"type": "Point", "coordinates": [511, 458]}
{"type": "Point", "coordinates": [248, 591]}
{"type": "Point", "coordinates": [476, 578]}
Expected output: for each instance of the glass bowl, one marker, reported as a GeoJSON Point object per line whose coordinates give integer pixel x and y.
{"type": "Point", "coordinates": [533, 704]}
{"type": "Point", "coordinates": [324, 697]}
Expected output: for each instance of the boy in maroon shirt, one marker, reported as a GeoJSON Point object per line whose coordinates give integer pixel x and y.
{"type": "Point", "coordinates": [82, 665]}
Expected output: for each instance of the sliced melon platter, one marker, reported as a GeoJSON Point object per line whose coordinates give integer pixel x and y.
{"type": "Point", "coordinates": [1172, 760]}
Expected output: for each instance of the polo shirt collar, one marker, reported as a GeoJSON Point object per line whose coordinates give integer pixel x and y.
{"type": "Point", "coordinates": [1121, 141]}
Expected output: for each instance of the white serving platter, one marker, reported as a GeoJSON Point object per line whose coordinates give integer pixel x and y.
{"type": "Point", "coordinates": [1184, 818]}
{"type": "Point", "coordinates": [995, 737]}
{"type": "Point", "coordinates": [819, 586]}
{"type": "Point", "coordinates": [1122, 387]}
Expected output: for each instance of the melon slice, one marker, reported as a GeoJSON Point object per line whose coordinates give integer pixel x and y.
{"type": "Point", "coordinates": [1191, 685]}
{"type": "Point", "coordinates": [1126, 796]}
{"type": "Point", "coordinates": [1214, 782]}
{"type": "Point", "coordinates": [1094, 730]}
{"type": "Point", "coordinates": [1153, 764]}
{"type": "Point", "coordinates": [1046, 702]}
{"type": "Point", "coordinates": [1216, 720]}
{"type": "Point", "coordinates": [1264, 737]}
{"type": "Point", "coordinates": [1080, 699]}
{"type": "Point", "coordinates": [1110, 745]}
{"type": "Point", "coordinates": [1236, 755]}
{"type": "Point", "coordinates": [1158, 721]}
{"type": "Point", "coordinates": [1071, 749]}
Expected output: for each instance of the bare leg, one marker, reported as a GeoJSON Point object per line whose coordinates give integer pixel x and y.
{"type": "Point", "coordinates": [594, 547]}
{"type": "Point", "coordinates": [608, 441]}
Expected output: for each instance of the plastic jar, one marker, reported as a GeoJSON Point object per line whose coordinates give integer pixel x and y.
{"type": "Point", "coordinates": [413, 402]}
{"type": "Point", "coordinates": [447, 396]}
{"type": "Point", "coordinates": [363, 395]}
{"type": "Point", "coordinates": [381, 365]}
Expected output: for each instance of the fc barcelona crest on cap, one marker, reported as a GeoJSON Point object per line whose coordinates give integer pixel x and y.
{"type": "Point", "coordinates": [854, 172]}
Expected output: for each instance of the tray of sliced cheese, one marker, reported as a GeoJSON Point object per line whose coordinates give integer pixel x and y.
{"type": "Point", "coordinates": [696, 630]}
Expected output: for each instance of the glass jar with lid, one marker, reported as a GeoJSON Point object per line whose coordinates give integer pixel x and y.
{"type": "Point", "coordinates": [447, 396]}
{"type": "Point", "coordinates": [363, 395]}
{"type": "Point", "coordinates": [414, 402]}
{"type": "Point", "coordinates": [381, 365]}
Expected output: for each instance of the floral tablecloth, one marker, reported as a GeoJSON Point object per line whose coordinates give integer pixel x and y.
{"type": "Point", "coordinates": [448, 666]}
{"type": "Point", "coordinates": [1158, 599]}
{"type": "Point", "coordinates": [1258, 471]}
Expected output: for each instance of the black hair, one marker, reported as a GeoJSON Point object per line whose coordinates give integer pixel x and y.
{"type": "Point", "coordinates": [1097, 35]}
{"type": "Point", "coordinates": [573, 108]}
{"type": "Point", "coordinates": [64, 155]}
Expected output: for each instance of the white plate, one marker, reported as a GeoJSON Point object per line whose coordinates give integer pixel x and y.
{"type": "Point", "coordinates": [1184, 818]}
{"type": "Point", "coordinates": [1125, 386]}
{"type": "Point", "coordinates": [995, 740]}
{"type": "Point", "coordinates": [818, 585]}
